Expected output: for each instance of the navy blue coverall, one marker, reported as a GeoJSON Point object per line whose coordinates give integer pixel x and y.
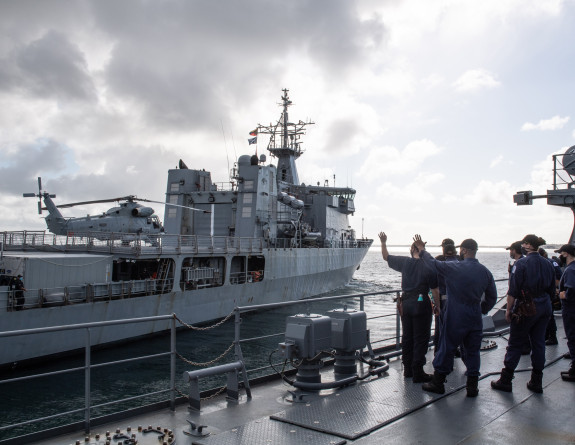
{"type": "Point", "coordinates": [535, 275]}
{"type": "Point", "coordinates": [471, 291]}
{"type": "Point", "coordinates": [551, 330]}
{"type": "Point", "coordinates": [416, 281]}
{"type": "Point", "coordinates": [567, 285]}
{"type": "Point", "coordinates": [443, 297]}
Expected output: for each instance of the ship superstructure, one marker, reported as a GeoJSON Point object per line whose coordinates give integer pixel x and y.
{"type": "Point", "coordinates": [264, 200]}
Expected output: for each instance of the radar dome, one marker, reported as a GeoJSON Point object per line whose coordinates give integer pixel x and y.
{"type": "Point", "coordinates": [244, 160]}
{"type": "Point", "coordinates": [569, 161]}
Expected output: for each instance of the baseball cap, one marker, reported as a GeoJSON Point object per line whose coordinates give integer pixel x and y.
{"type": "Point", "coordinates": [447, 241]}
{"type": "Point", "coordinates": [567, 248]}
{"type": "Point", "coordinates": [515, 246]}
{"type": "Point", "coordinates": [469, 244]}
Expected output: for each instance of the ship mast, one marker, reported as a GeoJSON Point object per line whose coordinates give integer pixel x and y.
{"type": "Point", "coordinates": [284, 142]}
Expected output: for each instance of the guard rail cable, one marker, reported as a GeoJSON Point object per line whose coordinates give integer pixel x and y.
{"type": "Point", "coordinates": [211, 362]}
{"type": "Point", "coordinates": [205, 328]}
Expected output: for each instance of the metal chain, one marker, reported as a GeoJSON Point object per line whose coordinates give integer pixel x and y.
{"type": "Point", "coordinates": [206, 328]}
{"type": "Point", "coordinates": [217, 359]}
{"type": "Point", "coordinates": [181, 393]}
{"type": "Point", "coordinates": [217, 393]}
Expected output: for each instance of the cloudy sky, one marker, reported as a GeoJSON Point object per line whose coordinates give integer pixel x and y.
{"type": "Point", "coordinates": [435, 111]}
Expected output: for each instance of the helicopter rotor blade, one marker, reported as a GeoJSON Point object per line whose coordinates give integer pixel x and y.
{"type": "Point", "coordinates": [29, 195]}
{"type": "Point", "coordinates": [174, 205]}
{"type": "Point", "coordinates": [39, 207]}
{"type": "Point", "coordinates": [96, 201]}
{"type": "Point", "coordinates": [39, 185]}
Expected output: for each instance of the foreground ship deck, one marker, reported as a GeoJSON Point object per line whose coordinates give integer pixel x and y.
{"type": "Point", "coordinates": [388, 409]}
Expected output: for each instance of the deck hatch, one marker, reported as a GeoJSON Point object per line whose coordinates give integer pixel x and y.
{"type": "Point", "coordinates": [266, 431]}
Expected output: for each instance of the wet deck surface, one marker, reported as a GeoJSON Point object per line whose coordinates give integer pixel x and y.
{"type": "Point", "coordinates": [388, 409]}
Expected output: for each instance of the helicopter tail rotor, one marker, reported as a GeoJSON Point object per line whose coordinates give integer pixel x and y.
{"type": "Point", "coordinates": [40, 195]}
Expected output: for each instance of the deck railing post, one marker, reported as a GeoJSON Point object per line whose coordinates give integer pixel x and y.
{"type": "Point", "coordinates": [397, 324]}
{"type": "Point", "coordinates": [238, 351]}
{"type": "Point", "coordinates": [173, 364]}
{"type": "Point", "coordinates": [87, 378]}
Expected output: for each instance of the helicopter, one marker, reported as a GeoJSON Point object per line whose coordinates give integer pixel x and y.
{"type": "Point", "coordinates": [128, 217]}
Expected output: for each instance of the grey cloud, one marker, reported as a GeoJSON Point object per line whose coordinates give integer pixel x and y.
{"type": "Point", "coordinates": [116, 181]}
{"type": "Point", "coordinates": [342, 133]}
{"type": "Point", "coordinates": [182, 61]}
{"type": "Point", "coordinates": [50, 67]}
{"type": "Point", "coordinates": [19, 169]}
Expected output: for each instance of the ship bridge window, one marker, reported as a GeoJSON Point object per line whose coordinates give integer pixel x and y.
{"type": "Point", "coordinates": [200, 272]}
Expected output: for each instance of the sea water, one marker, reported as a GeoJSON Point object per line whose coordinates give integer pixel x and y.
{"type": "Point", "coordinates": [62, 393]}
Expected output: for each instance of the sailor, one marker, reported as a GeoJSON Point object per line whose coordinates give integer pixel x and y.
{"type": "Point", "coordinates": [449, 254]}
{"type": "Point", "coordinates": [567, 296]}
{"type": "Point", "coordinates": [471, 291]}
{"type": "Point", "coordinates": [516, 252]}
{"type": "Point", "coordinates": [551, 330]}
{"type": "Point", "coordinates": [415, 308]}
{"type": "Point", "coordinates": [531, 285]}
{"type": "Point", "coordinates": [19, 293]}
{"type": "Point", "coordinates": [445, 242]}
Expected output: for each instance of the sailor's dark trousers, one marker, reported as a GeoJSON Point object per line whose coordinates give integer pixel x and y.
{"type": "Point", "coordinates": [416, 327]}
{"type": "Point", "coordinates": [462, 325]}
{"type": "Point", "coordinates": [532, 328]}
{"type": "Point", "coordinates": [568, 311]}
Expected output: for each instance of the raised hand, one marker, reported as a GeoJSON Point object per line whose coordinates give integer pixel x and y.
{"type": "Point", "coordinates": [419, 242]}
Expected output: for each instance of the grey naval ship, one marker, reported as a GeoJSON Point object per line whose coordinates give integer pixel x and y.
{"type": "Point", "coordinates": [263, 238]}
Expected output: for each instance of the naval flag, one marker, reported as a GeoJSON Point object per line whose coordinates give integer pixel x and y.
{"type": "Point", "coordinates": [254, 132]}
{"type": "Point", "coordinates": [252, 141]}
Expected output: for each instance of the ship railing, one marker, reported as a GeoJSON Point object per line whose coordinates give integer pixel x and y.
{"type": "Point", "coordinates": [386, 342]}
{"type": "Point", "coordinates": [151, 244]}
{"type": "Point", "coordinates": [250, 276]}
{"type": "Point", "coordinates": [86, 329]}
{"type": "Point", "coordinates": [286, 243]}
{"type": "Point", "coordinates": [81, 293]}
{"type": "Point", "coordinates": [130, 244]}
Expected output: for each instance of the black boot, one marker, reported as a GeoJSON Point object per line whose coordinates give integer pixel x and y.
{"type": "Point", "coordinates": [551, 340]}
{"type": "Point", "coordinates": [472, 389]}
{"type": "Point", "coordinates": [536, 384]}
{"type": "Point", "coordinates": [569, 376]}
{"type": "Point", "coordinates": [420, 376]}
{"type": "Point", "coordinates": [436, 383]}
{"type": "Point", "coordinates": [504, 382]}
